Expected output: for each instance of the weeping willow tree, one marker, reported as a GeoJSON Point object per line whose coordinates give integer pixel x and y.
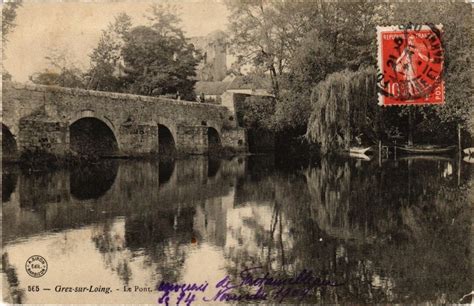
{"type": "Point", "coordinates": [344, 106]}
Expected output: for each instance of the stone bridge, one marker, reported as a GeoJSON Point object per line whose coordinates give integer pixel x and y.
{"type": "Point", "coordinates": [62, 121]}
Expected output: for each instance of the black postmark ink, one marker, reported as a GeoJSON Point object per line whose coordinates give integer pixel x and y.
{"type": "Point", "coordinates": [36, 266]}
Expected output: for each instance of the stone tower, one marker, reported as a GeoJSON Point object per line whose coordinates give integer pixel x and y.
{"type": "Point", "coordinates": [213, 47]}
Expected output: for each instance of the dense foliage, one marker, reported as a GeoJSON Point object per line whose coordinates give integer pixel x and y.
{"type": "Point", "coordinates": [438, 123]}
{"type": "Point", "coordinates": [154, 59]}
{"type": "Point", "coordinates": [255, 112]}
{"type": "Point", "coordinates": [8, 18]}
{"type": "Point", "coordinates": [266, 34]}
{"type": "Point", "coordinates": [62, 72]}
{"type": "Point", "coordinates": [345, 104]}
{"type": "Point", "coordinates": [311, 47]}
{"type": "Point", "coordinates": [106, 58]}
{"type": "Point", "coordinates": [8, 23]}
{"type": "Point", "coordinates": [158, 59]}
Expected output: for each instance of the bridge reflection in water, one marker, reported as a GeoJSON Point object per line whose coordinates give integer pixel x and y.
{"type": "Point", "coordinates": [395, 233]}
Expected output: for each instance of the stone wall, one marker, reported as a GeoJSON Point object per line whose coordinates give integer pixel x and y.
{"type": "Point", "coordinates": [192, 139]}
{"type": "Point", "coordinates": [39, 117]}
{"type": "Point", "coordinates": [235, 138]}
{"type": "Point", "coordinates": [41, 134]}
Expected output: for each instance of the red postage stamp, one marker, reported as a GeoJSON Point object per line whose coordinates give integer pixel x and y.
{"type": "Point", "coordinates": [410, 63]}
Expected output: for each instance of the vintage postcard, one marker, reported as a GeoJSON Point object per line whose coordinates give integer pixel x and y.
{"type": "Point", "coordinates": [212, 152]}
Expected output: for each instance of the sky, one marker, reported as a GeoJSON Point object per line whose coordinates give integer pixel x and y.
{"type": "Point", "coordinates": [74, 28]}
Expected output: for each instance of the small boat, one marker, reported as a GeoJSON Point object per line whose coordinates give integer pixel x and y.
{"type": "Point", "coordinates": [358, 150]}
{"type": "Point", "coordinates": [426, 149]}
{"type": "Point", "coordinates": [426, 157]}
{"type": "Point", "coordinates": [359, 156]}
{"type": "Point", "coordinates": [468, 159]}
{"type": "Point", "coordinates": [468, 151]}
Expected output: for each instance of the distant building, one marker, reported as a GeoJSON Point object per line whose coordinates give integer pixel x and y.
{"type": "Point", "coordinates": [225, 92]}
{"type": "Point", "coordinates": [213, 47]}
{"type": "Point", "coordinates": [230, 77]}
{"type": "Point", "coordinates": [245, 86]}
{"type": "Point", "coordinates": [250, 85]}
{"type": "Point", "coordinates": [212, 91]}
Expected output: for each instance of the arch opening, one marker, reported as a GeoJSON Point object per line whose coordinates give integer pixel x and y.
{"type": "Point", "coordinates": [213, 140]}
{"type": "Point", "coordinates": [9, 146]}
{"type": "Point", "coordinates": [91, 136]}
{"type": "Point", "coordinates": [166, 143]}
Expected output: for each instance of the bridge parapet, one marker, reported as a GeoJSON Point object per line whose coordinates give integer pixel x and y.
{"type": "Point", "coordinates": [106, 94]}
{"type": "Point", "coordinates": [44, 118]}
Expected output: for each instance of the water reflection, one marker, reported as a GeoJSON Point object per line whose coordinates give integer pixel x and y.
{"type": "Point", "coordinates": [9, 181]}
{"type": "Point", "coordinates": [396, 232]}
{"type": "Point", "coordinates": [213, 167]}
{"type": "Point", "coordinates": [166, 167]}
{"type": "Point", "coordinates": [91, 181]}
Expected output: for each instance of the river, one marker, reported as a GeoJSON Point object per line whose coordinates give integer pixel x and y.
{"type": "Point", "coordinates": [394, 232]}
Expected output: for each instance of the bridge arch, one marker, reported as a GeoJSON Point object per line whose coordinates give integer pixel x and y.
{"type": "Point", "coordinates": [166, 141]}
{"type": "Point", "coordinates": [213, 139]}
{"type": "Point", "coordinates": [167, 136]}
{"type": "Point", "coordinates": [169, 124]}
{"type": "Point", "coordinates": [9, 145]}
{"type": "Point", "coordinates": [92, 135]}
{"type": "Point", "coordinates": [87, 113]}
{"type": "Point", "coordinates": [214, 125]}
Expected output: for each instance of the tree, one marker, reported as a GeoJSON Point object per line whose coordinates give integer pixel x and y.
{"type": "Point", "coordinates": [299, 44]}
{"type": "Point", "coordinates": [65, 78]}
{"type": "Point", "coordinates": [341, 36]}
{"type": "Point", "coordinates": [8, 18]}
{"type": "Point", "coordinates": [265, 34]}
{"type": "Point", "coordinates": [440, 122]}
{"type": "Point", "coordinates": [458, 37]}
{"type": "Point", "coordinates": [62, 71]}
{"type": "Point", "coordinates": [158, 59]}
{"type": "Point", "coordinates": [432, 124]}
{"type": "Point", "coordinates": [107, 59]}
{"type": "Point", "coordinates": [344, 106]}
{"type": "Point", "coordinates": [8, 23]}
{"type": "Point", "coordinates": [328, 37]}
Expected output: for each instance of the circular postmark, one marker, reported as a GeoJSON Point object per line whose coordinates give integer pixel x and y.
{"type": "Point", "coordinates": [36, 266]}
{"type": "Point", "coordinates": [411, 62]}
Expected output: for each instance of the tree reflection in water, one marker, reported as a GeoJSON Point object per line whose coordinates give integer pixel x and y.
{"type": "Point", "coordinates": [11, 292]}
{"type": "Point", "coordinates": [163, 235]}
{"type": "Point", "coordinates": [111, 245]}
{"type": "Point", "coordinates": [395, 233]}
